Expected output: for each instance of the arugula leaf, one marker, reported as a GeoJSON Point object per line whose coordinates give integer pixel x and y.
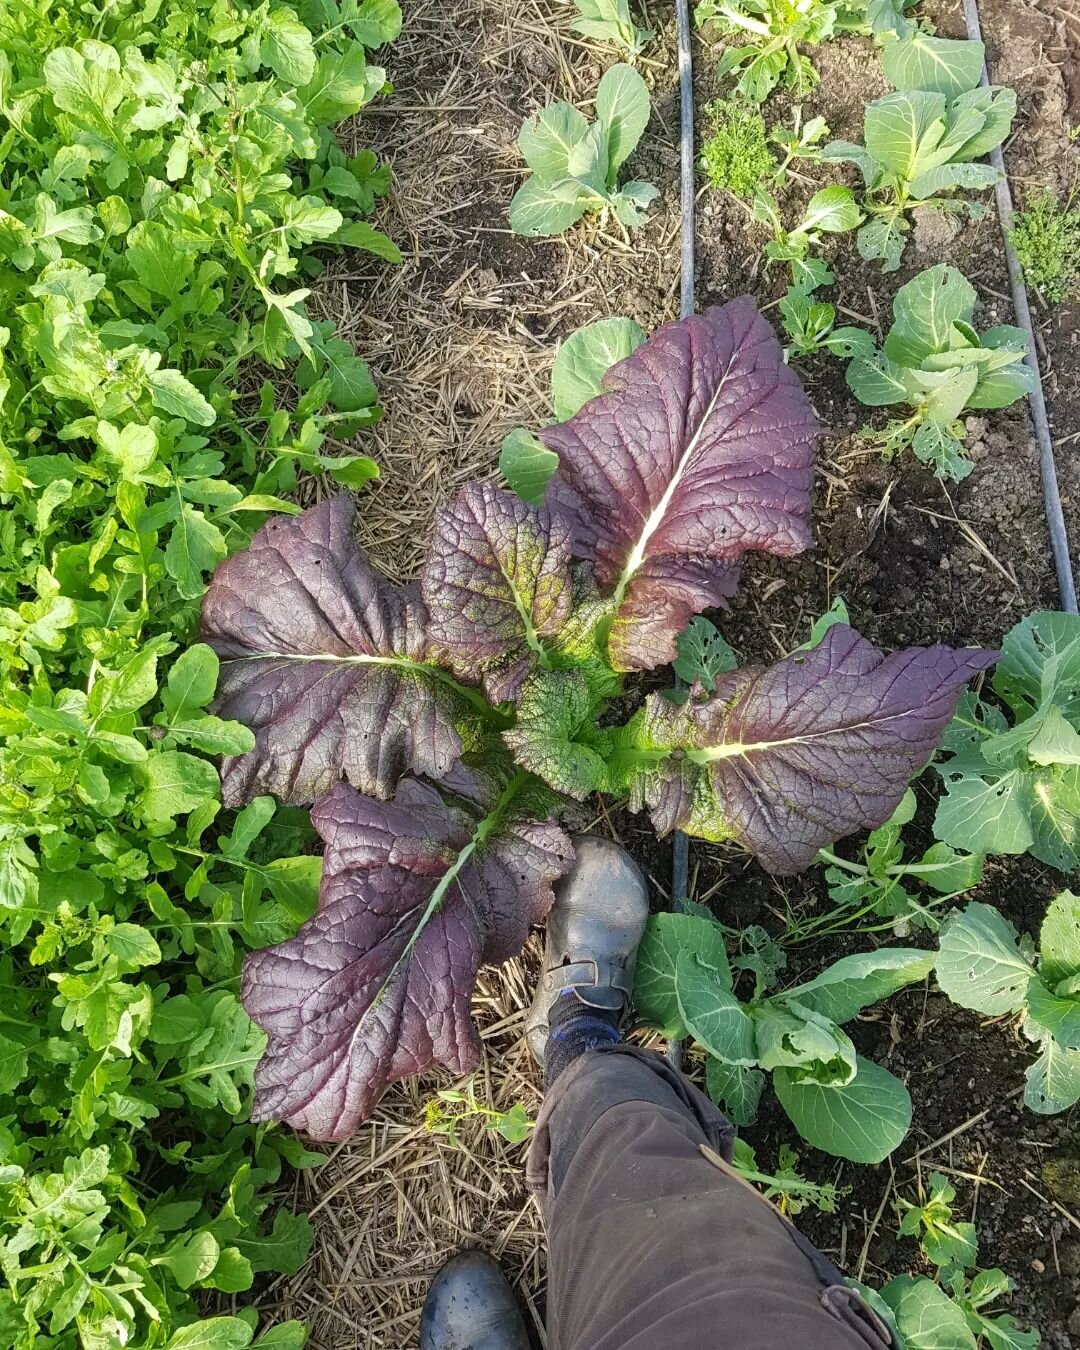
{"type": "Point", "coordinates": [162, 179]}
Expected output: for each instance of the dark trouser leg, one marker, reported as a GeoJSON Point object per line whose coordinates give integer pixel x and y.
{"type": "Point", "coordinates": [655, 1247]}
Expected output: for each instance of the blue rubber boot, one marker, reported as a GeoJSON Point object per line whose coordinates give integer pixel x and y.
{"type": "Point", "coordinates": [470, 1306]}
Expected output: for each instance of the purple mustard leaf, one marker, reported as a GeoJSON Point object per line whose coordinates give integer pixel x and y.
{"type": "Point", "coordinates": [702, 449]}
{"type": "Point", "coordinates": [788, 758]}
{"type": "Point", "coordinates": [497, 582]}
{"type": "Point", "coordinates": [416, 895]}
{"type": "Point", "coordinates": [328, 663]}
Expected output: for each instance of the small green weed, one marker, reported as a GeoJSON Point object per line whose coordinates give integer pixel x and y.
{"type": "Point", "coordinates": [802, 140]}
{"type": "Point", "coordinates": [908, 892]}
{"type": "Point", "coordinates": [736, 155]}
{"type": "Point", "coordinates": [943, 1239]}
{"type": "Point", "coordinates": [1046, 239]}
{"type": "Point", "coordinates": [448, 1108]}
{"type": "Point", "coordinates": [787, 1188]}
{"type": "Point", "coordinates": [960, 1307]}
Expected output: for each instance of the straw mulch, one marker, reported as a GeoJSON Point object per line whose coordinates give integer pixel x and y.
{"type": "Point", "coordinates": [392, 1205]}
{"type": "Point", "coordinates": [460, 338]}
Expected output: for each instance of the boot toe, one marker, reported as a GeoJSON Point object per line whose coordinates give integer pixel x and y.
{"type": "Point", "coordinates": [471, 1306]}
{"type": "Point", "coordinates": [597, 922]}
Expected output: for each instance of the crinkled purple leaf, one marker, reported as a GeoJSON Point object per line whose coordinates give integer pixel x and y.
{"type": "Point", "coordinates": [496, 584]}
{"type": "Point", "coordinates": [327, 663]}
{"type": "Point", "coordinates": [788, 758]}
{"type": "Point", "coordinates": [702, 449]}
{"type": "Point", "coordinates": [416, 895]}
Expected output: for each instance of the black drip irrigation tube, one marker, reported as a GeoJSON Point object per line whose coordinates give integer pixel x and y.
{"type": "Point", "coordinates": [680, 851]}
{"type": "Point", "coordinates": [1055, 516]}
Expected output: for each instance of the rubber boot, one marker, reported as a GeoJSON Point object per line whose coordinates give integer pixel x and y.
{"type": "Point", "coordinates": [593, 932]}
{"type": "Point", "coordinates": [470, 1306]}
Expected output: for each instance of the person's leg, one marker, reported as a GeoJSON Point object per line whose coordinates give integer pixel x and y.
{"type": "Point", "coordinates": [470, 1305]}
{"type": "Point", "coordinates": [654, 1241]}
{"type": "Point", "coordinates": [574, 1029]}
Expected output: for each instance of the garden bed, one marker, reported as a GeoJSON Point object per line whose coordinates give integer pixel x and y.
{"type": "Point", "coordinates": [461, 337]}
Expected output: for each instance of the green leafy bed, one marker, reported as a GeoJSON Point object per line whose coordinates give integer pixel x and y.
{"type": "Point", "coordinates": [164, 168]}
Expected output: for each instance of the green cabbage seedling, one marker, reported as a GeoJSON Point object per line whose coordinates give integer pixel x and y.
{"type": "Point", "coordinates": [809, 321]}
{"type": "Point", "coordinates": [984, 966]}
{"type": "Point", "coordinates": [575, 166]}
{"type": "Point", "coordinates": [1012, 784]}
{"type": "Point", "coordinates": [934, 362]}
{"type": "Point", "coordinates": [610, 21]}
{"type": "Point", "coordinates": [922, 140]}
{"type": "Point", "coordinates": [768, 54]}
{"type": "Point", "coordinates": [576, 376]}
{"type": "Point", "coordinates": [838, 1101]}
{"type": "Point", "coordinates": [832, 210]}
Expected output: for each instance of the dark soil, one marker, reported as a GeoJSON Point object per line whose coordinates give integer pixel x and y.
{"type": "Point", "coordinates": [893, 542]}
